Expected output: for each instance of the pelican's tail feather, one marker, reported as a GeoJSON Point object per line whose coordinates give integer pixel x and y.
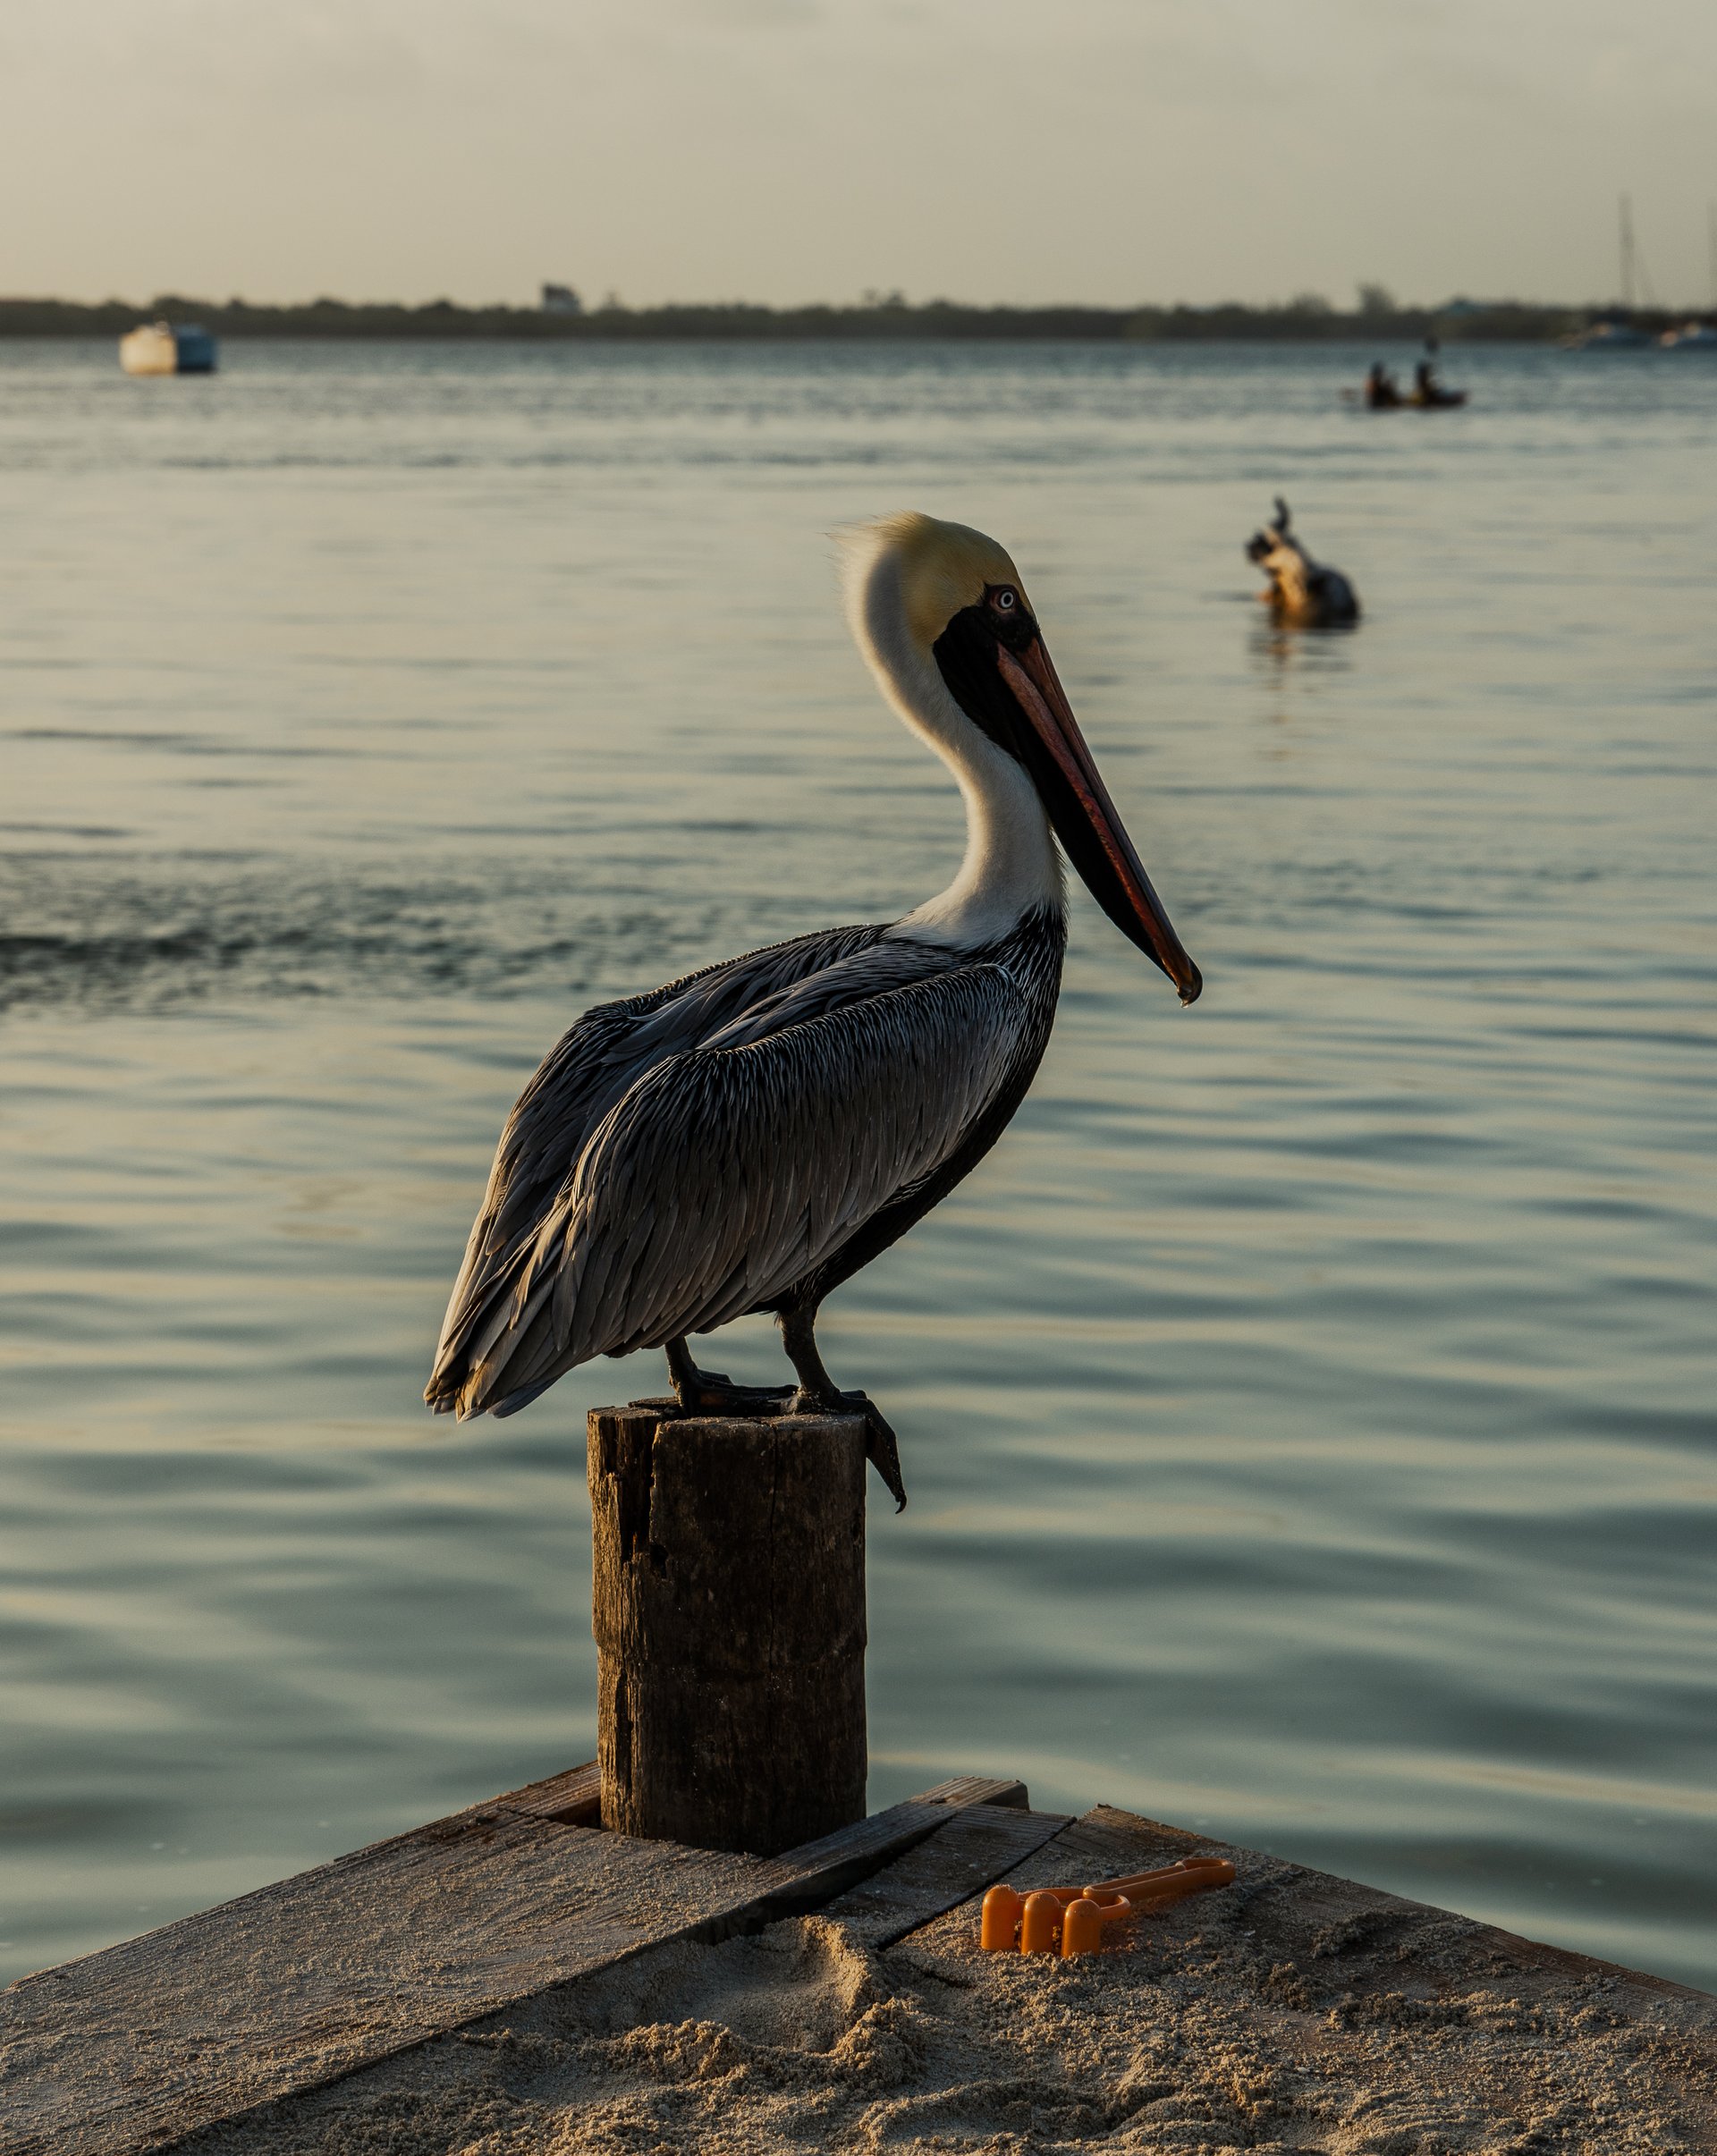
{"type": "Point", "coordinates": [522, 1397]}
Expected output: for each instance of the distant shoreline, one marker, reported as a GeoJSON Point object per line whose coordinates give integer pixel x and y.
{"type": "Point", "coordinates": [1303, 322]}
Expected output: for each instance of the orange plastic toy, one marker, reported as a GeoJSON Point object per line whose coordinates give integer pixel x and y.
{"type": "Point", "coordinates": [1078, 1914]}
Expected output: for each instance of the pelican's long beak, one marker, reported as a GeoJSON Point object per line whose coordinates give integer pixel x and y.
{"type": "Point", "coordinates": [1085, 820]}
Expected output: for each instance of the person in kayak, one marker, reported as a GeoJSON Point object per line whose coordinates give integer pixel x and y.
{"type": "Point", "coordinates": [1426, 388]}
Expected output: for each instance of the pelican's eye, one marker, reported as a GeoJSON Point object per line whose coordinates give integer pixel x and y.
{"type": "Point", "coordinates": [1010, 619]}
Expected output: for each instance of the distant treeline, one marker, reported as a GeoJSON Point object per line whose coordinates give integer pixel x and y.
{"type": "Point", "coordinates": [1305, 320]}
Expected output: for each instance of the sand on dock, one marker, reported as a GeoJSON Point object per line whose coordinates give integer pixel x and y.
{"type": "Point", "coordinates": [1293, 2012]}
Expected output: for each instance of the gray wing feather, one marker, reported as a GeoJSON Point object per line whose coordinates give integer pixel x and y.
{"type": "Point", "coordinates": [728, 1171]}
{"type": "Point", "coordinates": [587, 1071]}
{"type": "Point", "coordinates": [589, 1067]}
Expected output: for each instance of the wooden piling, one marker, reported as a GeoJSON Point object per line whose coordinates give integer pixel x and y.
{"type": "Point", "coordinates": [729, 1612]}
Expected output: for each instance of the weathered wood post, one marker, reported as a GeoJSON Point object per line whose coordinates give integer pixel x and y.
{"type": "Point", "coordinates": [728, 1610]}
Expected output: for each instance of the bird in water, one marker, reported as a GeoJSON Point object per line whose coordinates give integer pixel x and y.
{"type": "Point", "coordinates": [1308, 593]}
{"type": "Point", "coordinates": [747, 1138]}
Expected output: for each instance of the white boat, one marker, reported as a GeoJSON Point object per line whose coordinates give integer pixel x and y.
{"type": "Point", "coordinates": [1609, 336]}
{"type": "Point", "coordinates": [165, 348]}
{"type": "Point", "coordinates": [1692, 336]}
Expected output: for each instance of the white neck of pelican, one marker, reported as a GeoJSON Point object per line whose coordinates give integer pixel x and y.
{"type": "Point", "coordinates": [1012, 865]}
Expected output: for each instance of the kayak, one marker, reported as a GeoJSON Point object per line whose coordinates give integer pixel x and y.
{"type": "Point", "coordinates": [1443, 399]}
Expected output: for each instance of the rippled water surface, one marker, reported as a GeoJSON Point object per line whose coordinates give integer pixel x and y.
{"type": "Point", "coordinates": [1309, 1409]}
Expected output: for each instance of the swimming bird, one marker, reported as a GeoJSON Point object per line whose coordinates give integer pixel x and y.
{"type": "Point", "coordinates": [746, 1139]}
{"type": "Point", "coordinates": [1301, 590]}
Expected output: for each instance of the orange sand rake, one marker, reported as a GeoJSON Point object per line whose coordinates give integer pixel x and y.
{"type": "Point", "coordinates": [1079, 1913]}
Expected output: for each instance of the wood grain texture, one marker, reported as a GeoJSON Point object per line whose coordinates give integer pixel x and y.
{"type": "Point", "coordinates": [983, 1844]}
{"type": "Point", "coordinates": [1353, 1923]}
{"type": "Point", "coordinates": [1345, 1927]}
{"type": "Point", "coordinates": [980, 1789]}
{"type": "Point", "coordinates": [728, 1605]}
{"type": "Point", "coordinates": [305, 1980]}
{"type": "Point", "coordinates": [572, 1799]}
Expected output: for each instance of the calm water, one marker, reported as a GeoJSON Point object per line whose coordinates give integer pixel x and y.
{"type": "Point", "coordinates": [1309, 1410]}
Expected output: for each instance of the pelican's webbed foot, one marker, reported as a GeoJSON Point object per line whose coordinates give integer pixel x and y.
{"type": "Point", "coordinates": [818, 1394]}
{"type": "Point", "coordinates": [709, 1392]}
{"type": "Point", "coordinates": [882, 1447]}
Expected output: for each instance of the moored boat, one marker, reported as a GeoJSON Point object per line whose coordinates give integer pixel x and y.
{"type": "Point", "coordinates": [167, 348]}
{"type": "Point", "coordinates": [1609, 336]}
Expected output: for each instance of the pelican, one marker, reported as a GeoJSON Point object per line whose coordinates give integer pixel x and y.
{"type": "Point", "coordinates": [746, 1139]}
{"type": "Point", "coordinates": [1306, 593]}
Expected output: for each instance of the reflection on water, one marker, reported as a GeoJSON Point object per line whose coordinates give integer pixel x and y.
{"type": "Point", "coordinates": [1284, 653]}
{"type": "Point", "coordinates": [1307, 1409]}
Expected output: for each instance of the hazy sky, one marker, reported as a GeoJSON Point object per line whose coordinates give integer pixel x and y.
{"type": "Point", "coordinates": [1112, 150]}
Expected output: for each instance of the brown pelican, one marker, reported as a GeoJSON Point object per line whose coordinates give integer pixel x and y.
{"type": "Point", "coordinates": [746, 1139]}
{"type": "Point", "coordinates": [1301, 590]}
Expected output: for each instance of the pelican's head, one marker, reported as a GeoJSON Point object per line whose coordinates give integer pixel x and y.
{"type": "Point", "coordinates": [941, 613]}
{"type": "Point", "coordinates": [1282, 559]}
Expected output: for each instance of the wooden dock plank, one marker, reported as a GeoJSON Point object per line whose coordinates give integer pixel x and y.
{"type": "Point", "coordinates": [303, 1980]}
{"type": "Point", "coordinates": [980, 1790]}
{"type": "Point", "coordinates": [809, 1877]}
{"type": "Point", "coordinates": [1309, 1970]}
{"type": "Point", "coordinates": [1356, 1926]}
{"type": "Point", "coordinates": [574, 1798]}
{"type": "Point", "coordinates": [571, 1800]}
{"type": "Point", "coordinates": [983, 1844]}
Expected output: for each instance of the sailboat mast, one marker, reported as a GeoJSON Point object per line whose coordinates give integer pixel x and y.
{"type": "Point", "coordinates": [1624, 208]}
{"type": "Point", "coordinates": [1710, 246]}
